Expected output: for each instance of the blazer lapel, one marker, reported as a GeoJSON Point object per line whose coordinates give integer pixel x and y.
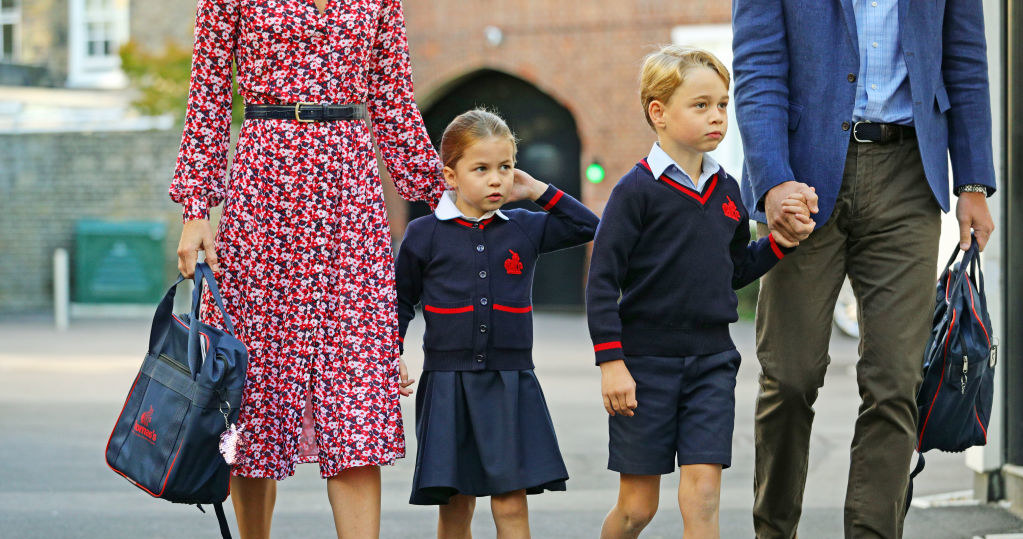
{"type": "Point", "coordinates": [850, 22]}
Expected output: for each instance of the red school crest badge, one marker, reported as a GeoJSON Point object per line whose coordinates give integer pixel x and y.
{"type": "Point", "coordinates": [730, 209]}
{"type": "Point", "coordinates": [513, 265]}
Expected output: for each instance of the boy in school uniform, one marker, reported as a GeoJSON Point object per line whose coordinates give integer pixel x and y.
{"type": "Point", "coordinates": [671, 248]}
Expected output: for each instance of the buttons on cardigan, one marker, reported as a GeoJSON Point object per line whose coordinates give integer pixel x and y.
{"type": "Point", "coordinates": [483, 275]}
{"type": "Point", "coordinates": [475, 225]}
{"type": "Point", "coordinates": [479, 248]}
{"type": "Point", "coordinates": [480, 358]}
{"type": "Point", "coordinates": [845, 126]}
{"type": "Point", "coordinates": [483, 301]}
{"type": "Point", "coordinates": [483, 328]}
{"type": "Point", "coordinates": [851, 77]}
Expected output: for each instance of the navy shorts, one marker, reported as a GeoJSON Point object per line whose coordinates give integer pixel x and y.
{"type": "Point", "coordinates": [686, 412]}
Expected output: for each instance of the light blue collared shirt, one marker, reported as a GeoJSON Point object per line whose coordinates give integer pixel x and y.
{"type": "Point", "coordinates": [882, 89]}
{"type": "Point", "coordinates": [662, 164]}
{"type": "Point", "coordinates": [446, 209]}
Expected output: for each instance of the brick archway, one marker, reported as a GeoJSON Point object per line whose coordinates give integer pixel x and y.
{"type": "Point", "coordinates": [549, 148]}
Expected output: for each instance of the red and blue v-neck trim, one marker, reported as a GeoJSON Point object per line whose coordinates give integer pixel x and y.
{"type": "Point", "coordinates": [702, 198]}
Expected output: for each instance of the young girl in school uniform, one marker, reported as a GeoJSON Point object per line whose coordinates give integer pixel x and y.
{"type": "Point", "coordinates": [482, 423]}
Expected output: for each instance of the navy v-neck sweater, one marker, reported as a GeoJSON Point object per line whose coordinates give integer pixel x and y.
{"type": "Point", "coordinates": [666, 263]}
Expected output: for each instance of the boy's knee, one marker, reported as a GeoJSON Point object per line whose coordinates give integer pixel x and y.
{"type": "Point", "coordinates": [638, 514]}
{"type": "Point", "coordinates": [700, 495]}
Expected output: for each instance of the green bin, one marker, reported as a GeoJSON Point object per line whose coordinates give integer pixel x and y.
{"type": "Point", "coordinates": [119, 261]}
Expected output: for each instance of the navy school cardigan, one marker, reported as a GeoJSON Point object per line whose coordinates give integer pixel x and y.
{"type": "Point", "coordinates": [475, 281]}
{"type": "Point", "coordinates": [665, 266]}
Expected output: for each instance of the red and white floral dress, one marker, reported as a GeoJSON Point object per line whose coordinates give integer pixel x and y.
{"type": "Point", "coordinates": [303, 242]}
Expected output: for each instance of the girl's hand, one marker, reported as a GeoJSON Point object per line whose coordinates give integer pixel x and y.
{"type": "Point", "coordinates": [525, 186]}
{"type": "Point", "coordinates": [618, 388]}
{"type": "Point", "coordinates": [405, 382]}
{"type": "Point", "coordinates": [196, 236]}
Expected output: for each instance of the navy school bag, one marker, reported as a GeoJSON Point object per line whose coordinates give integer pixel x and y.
{"type": "Point", "coordinates": [166, 439]}
{"type": "Point", "coordinates": [954, 401]}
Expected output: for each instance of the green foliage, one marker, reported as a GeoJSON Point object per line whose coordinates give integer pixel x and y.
{"type": "Point", "coordinates": [161, 79]}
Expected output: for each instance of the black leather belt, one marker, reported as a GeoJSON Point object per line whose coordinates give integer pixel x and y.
{"type": "Point", "coordinates": [881, 133]}
{"type": "Point", "coordinates": [306, 112]}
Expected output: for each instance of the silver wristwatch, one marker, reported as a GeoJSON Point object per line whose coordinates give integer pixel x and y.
{"type": "Point", "coordinates": [971, 188]}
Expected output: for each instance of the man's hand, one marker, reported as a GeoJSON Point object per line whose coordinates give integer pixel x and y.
{"type": "Point", "coordinates": [787, 226]}
{"type": "Point", "coordinates": [618, 388]}
{"type": "Point", "coordinates": [196, 236]}
{"type": "Point", "coordinates": [972, 213]}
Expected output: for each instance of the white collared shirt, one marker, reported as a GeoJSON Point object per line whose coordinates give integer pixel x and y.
{"type": "Point", "coordinates": [446, 209]}
{"type": "Point", "coordinates": [662, 164]}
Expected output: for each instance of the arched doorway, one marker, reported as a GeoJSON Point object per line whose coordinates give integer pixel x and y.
{"type": "Point", "coordinates": [548, 149]}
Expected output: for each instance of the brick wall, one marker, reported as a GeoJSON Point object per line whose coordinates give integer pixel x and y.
{"type": "Point", "coordinates": [49, 181]}
{"type": "Point", "coordinates": [586, 55]}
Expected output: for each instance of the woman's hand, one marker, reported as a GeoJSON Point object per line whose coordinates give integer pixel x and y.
{"type": "Point", "coordinates": [405, 382]}
{"type": "Point", "coordinates": [196, 236]}
{"type": "Point", "coordinates": [525, 186]}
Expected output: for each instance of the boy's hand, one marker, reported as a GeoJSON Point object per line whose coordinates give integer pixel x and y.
{"type": "Point", "coordinates": [796, 210]}
{"type": "Point", "coordinates": [405, 382]}
{"type": "Point", "coordinates": [618, 388]}
{"type": "Point", "coordinates": [525, 186]}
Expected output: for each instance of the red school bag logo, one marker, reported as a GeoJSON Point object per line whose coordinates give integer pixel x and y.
{"type": "Point", "coordinates": [141, 428]}
{"type": "Point", "coordinates": [513, 265]}
{"type": "Point", "coordinates": [730, 209]}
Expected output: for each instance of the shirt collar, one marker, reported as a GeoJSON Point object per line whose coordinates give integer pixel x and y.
{"type": "Point", "coordinates": [446, 210]}
{"type": "Point", "coordinates": [659, 161]}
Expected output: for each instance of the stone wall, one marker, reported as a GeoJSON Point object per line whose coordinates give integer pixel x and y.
{"type": "Point", "coordinates": [49, 181]}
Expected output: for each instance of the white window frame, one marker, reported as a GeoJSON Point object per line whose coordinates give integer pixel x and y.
{"type": "Point", "coordinates": [11, 16]}
{"type": "Point", "coordinates": [97, 71]}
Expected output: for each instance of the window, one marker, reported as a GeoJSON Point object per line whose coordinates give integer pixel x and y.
{"type": "Point", "coordinates": [98, 29]}
{"type": "Point", "coordinates": [10, 18]}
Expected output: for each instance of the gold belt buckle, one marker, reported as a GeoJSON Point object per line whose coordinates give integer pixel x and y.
{"type": "Point", "coordinates": [299, 104]}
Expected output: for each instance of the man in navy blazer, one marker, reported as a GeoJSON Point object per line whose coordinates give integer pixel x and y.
{"type": "Point", "coordinates": [860, 102]}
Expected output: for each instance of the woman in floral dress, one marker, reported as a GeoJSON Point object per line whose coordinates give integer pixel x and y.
{"type": "Point", "coordinates": [303, 250]}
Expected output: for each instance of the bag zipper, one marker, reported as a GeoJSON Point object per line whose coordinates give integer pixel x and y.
{"type": "Point", "coordinates": [175, 363]}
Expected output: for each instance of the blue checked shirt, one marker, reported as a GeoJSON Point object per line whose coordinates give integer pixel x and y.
{"type": "Point", "coordinates": [882, 90]}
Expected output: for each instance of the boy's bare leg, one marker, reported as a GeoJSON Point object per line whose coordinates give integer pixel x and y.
{"type": "Point", "coordinates": [455, 520]}
{"type": "Point", "coordinates": [637, 505]}
{"type": "Point", "coordinates": [699, 499]}
{"type": "Point", "coordinates": [253, 501]}
{"type": "Point", "coordinates": [511, 515]}
{"type": "Point", "coordinates": [354, 496]}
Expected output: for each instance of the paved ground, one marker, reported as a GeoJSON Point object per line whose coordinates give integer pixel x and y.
{"type": "Point", "coordinates": [60, 393]}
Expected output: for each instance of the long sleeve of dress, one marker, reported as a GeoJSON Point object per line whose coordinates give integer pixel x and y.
{"type": "Point", "coordinates": [198, 182]}
{"type": "Point", "coordinates": [397, 123]}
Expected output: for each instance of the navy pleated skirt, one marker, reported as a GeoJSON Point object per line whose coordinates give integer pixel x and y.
{"type": "Point", "coordinates": [483, 433]}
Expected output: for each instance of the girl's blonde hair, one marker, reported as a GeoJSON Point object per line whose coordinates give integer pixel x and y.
{"type": "Point", "coordinates": [469, 128]}
{"type": "Point", "coordinates": [665, 70]}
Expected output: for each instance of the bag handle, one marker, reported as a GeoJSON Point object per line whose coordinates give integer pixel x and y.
{"type": "Point", "coordinates": [203, 274]}
{"type": "Point", "coordinates": [161, 320]}
{"type": "Point", "coordinates": [969, 260]}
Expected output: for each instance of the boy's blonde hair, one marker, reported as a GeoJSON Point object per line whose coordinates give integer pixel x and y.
{"type": "Point", "coordinates": [469, 128]}
{"type": "Point", "coordinates": [665, 70]}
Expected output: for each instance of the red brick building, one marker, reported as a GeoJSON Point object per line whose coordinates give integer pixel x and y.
{"type": "Point", "coordinates": [565, 75]}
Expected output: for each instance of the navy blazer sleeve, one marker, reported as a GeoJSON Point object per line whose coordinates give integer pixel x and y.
{"type": "Point", "coordinates": [568, 222]}
{"type": "Point", "coordinates": [761, 64]}
{"type": "Point", "coordinates": [964, 71]}
{"type": "Point", "coordinates": [408, 268]}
